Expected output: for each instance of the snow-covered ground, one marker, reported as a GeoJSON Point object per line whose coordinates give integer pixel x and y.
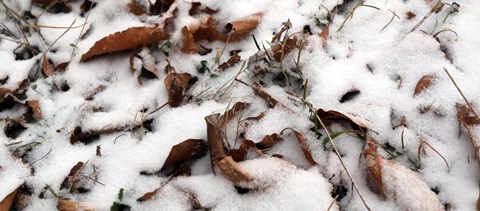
{"type": "Point", "coordinates": [89, 132]}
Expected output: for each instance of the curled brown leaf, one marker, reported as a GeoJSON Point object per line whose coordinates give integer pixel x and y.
{"type": "Point", "coordinates": [245, 148]}
{"type": "Point", "coordinates": [424, 83]}
{"type": "Point", "coordinates": [232, 171]}
{"type": "Point", "coordinates": [7, 202]}
{"type": "Point", "coordinates": [186, 150]}
{"type": "Point", "coordinates": [176, 84]}
{"type": "Point", "coordinates": [130, 38]}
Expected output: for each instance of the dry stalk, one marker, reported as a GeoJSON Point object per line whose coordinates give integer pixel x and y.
{"type": "Point", "coordinates": [461, 93]}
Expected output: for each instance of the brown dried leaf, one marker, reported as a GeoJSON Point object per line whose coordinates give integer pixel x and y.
{"type": "Point", "coordinates": [215, 141]}
{"type": "Point", "coordinates": [268, 141]}
{"type": "Point", "coordinates": [130, 38]}
{"type": "Point", "coordinates": [47, 68]}
{"type": "Point", "coordinates": [186, 150]}
{"type": "Point", "coordinates": [324, 35]}
{"type": "Point", "coordinates": [86, 6]}
{"type": "Point", "coordinates": [241, 29]}
{"type": "Point", "coordinates": [374, 163]}
{"type": "Point", "coordinates": [466, 115]}
{"type": "Point", "coordinates": [232, 171]}
{"type": "Point", "coordinates": [304, 146]}
{"type": "Point", "coordinates": [188, 43]}
{"type": "Point", "coordinates": [329, 117]}
{"type": "Point", "coordinates": [135, 8]}
{"type": "Point", "coordinates": [424, 83]}
{"type": "Point", "coordinates": [230, 62]}
{"type": "Point", "coordinates": [197, 8]}
{"type": "Point", "coordinates": [35, 106]}
{"type": "Point", "coordinates": [149, 195]}
{"type": "Point", "coordinates": [468, 119]}
{"type": "Point", "coordinates": [68, 205]}
{"type": "Point", "coordinates": [62, 66]}
{"type": "Point", "coordinates": [410, 15]}
{"type": "Point", "coordinates": [72, 178]}
{"type": "Point", "coordinates": [7, 202]}
{"type": "Point", "coordinates": [257, 88]}
{"type": "Point", "coordinates": [290, 45]}
{"type": "Point", "coordinates": [228, 115]}
{"type": "Point", "coordinates": [169, 23]}
{"type": "Point", "coordinates": [400, 184]}
{"type": "Point", "coordinates": [241, 153]}
{"type": "Point", "coordinates": [176, 84]}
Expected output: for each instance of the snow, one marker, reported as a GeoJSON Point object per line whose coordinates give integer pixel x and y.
{"type": "Point", "coordinates": [381, 59]}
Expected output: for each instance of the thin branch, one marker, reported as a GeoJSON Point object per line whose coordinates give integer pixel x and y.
{"type": "Point", "coordinates": [461, 93]}
{"type": "Point", "coordinates": [40, 158]}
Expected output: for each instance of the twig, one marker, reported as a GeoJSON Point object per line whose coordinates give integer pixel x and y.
{"type": "Point", "coordinates": [437, 7]}
{"type": "Point", "coordinates": [420, 147]}
{"type": "Point", "coordinates": [461, 93]}
{"type": "Point", "coordinates": [394, 15]}
{"type": "Point", "coordinates": [40, 158]}
{"type": "Point", "coordinates": [333, 202]}
{"type": "Point", "coordinates": [58, 38]}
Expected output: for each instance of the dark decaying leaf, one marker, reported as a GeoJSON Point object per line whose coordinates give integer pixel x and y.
{"type": "Point", "coordinates": [197, 8]}
{"type": "Point", "coordinates": [258, 90]}
{"type": "Point", "coordinates": [130, 38]}
{"type": "Point", "coordinates": [176, 84]}
{"type": "Point", "coordinates": [160, 6]}
{"type": "Point", "coordinates": [329, 117]}
{"type": "Point", "coordinates": [191, 148]}
{"type": "Point", "coordinates": [471, 122]}
{"type": "Point", "coordinates": [235, 58]}
{"type": "Point", "coordinates": [424, 83]}
{"type": "Point", "coordinates": [410, 15]}
{"type": "Point", "coordinates": [247, 147]}
{"type": "Point", "coordinates": [7, 202]}
{"type": "Point", "coordinates": [21, 151]}
{"type": "Point", "coordinates": [72, 179]}
{"type": "Point", "coordinates": [350, 95]}
{"type": "Point", "coordinates": [86, 6]}
{"type": "Point", "coordinates": [232, 171]}
{"type": "Point", "coordinates": [13, 128]}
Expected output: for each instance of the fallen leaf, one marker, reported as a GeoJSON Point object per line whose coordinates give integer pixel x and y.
{"type": "Point", "coordinates": [232, 112]}
{"type": "Point", "coordinates": [35, 106]}
{"type": "Point", "coordinates": [230, 62]}
{"type": "Point", "coordinates": [7, 202]}
{"type": "Point", "coordinates": [324, 35]}
{"type": "Point", "coordinates": [329, 117]}
{"type": "Point", "coordinates": [47, 68]}
{"type": "Point", "coordinates": [197, 8]}
{"type": "Point", "coordinates": [268, 141]}
{"type": "Point", "coordinates": [68, 205]}
{"type": "Point", "coordinates": [71, 180]}
{"type": "Point", "coordinates": [135, 8]}
{"type": "Point", "coordinates": [410, 15]}
{"type": "Point", "coordinates": [160, 6]}
{"type": "Point", "coordinates": [232, 171]}
{"type": "Point", "coordinates": [176, 84]}
{"type": "Point", "coordinates": [471, 122]}
{"type": "Point", "coordinates": [398, 183]}
{"type": "Point", "coordinates": [304, 146]}
{"type": "Point", "coordinates": [279, 53]}
{"type": "Point", "coordinates": [257, 88]}
{"type": "Point", "coordinates": [149, 195]}
{"type": "Point", "coordinates": [62, 66]}
{"type": "Point", "coordinates": [130, 38]}
{"type": "Point", "coordinates": [169, 23]}
{"type": "Point", "coordinates": [351, 94]}
{"type": "Point", "coordinates": [86, 6]}
{"type": "Point", "coordinates": [144, 64]}
{"type": "Point", "coordinates": [241, 29]}
{"type": "Point", "coordinates": [424, 83]}
{"type": "Point", "coordinates": [215, 141]}
{"type": "Point", "coordinates": [247, 147]}
{"type": "Point", "coordinates": [188, 43]}
{"type": "Point", "coordinates": [13, 128]}
{"type": "Point", "coordinates": [186, 150]}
